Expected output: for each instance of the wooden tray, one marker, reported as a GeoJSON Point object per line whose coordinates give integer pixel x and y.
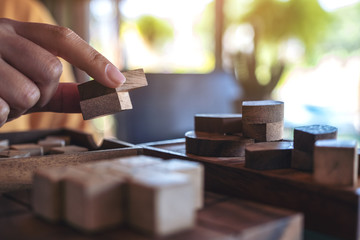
{"type": "Point", "coordinates": [16, 173]}
{"type": "Point", "coordinates": [221, 218]}
{"type": "Point", "coordinates": [329, 210]}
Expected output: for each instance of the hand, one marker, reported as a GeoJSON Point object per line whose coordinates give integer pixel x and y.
{"type": "Point", "coordinates": [30, 69]}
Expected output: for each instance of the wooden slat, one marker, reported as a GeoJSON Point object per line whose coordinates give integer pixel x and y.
{"type": "Point", "coordinates": [330, 210]}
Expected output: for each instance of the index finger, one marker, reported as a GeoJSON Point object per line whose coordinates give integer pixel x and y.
{"type": "Point", "coordinates": [65, 43]}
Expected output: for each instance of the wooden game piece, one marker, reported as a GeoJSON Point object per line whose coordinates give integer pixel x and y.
{"type": "Point", "coordinates": [306, 136]}
{"type": "Point", "coordinates": [267, 111]}
{"type": "Point", "coordinates": [216, 145]}
{"type": "Point", "coordinates": [218, 123]}
{"type": "Point", "coordinates": [193, 170]}
{"type": "Point", "coordinates": [98, 100]}
{"type": "Point", "coordinates": [93, 202]}
{"type": "Point", "coordinates": [68, 149]}
{"type": "Point", "coordinates": [336, 162]}
{"type": "Point", "coordinates": [47, 195]}
{"type": "Point", "coordinates": [264, 132]}
{"type": "Point", "coordinates": [66, 138]}
{"type": "Point", "coordinates": [50, 143]}
{"type": "Point", "coordinates": [268, 155]}
{"type": "Point", "coordinates": [14, 153]}
{"type": "Point", "coordinates": [302, 160]}
{"type": "Point", "coordinates": [161, 204]}
{"type": "Point", "coordinates": [34, 149]}
{"type": "Point", "coordinates": [104, 105]}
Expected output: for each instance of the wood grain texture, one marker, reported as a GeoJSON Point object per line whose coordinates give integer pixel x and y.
{"type": "Point", "coordinates": [218, 123]}
{"type": "Point", "coordinates": [134, 79]}
{"type": "Point", "coordinates": [264, 132]}
{"type": "Point", "coordinates": [268, 155]}
{"type": "Point", "coordinates": [267, 111]}
{"type": "Point", "coordinates": [68, 149]}
{"type": "Point", "coordinates": [216, 145]}
{"type": "Point", "coordinates": [306, 136]}
{"type": "Point", "coordinates": [285, 188]}
{"type": "Point", "coordinates": [105, 105]}
{"type": "Point", "coordinates": [336, 162]}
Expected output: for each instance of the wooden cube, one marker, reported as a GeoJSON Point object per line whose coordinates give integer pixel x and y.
{"type": "Point", "coordinates": [47, 195]}
{"type": "Point", "coordinates": [34, 149]}
{"type": "Point", "coordinates": [66, 138]}
{"type": "Point", "coordinates": [267, 111]}
{"type": "Point", "coordinates": [218, 123]}
{"type": "Point", "coordinates": [93, 202]}
{"type": "Point", "coordinates": [48, 144]}
{"type": "Point", "coordinates": [268, 155]}
{"type": "Point", "coordinates": [336, 162]}
{"type": "Point", "coordinates": [161, 204]}
{"type": "Point", "coordinates": [105, 105]}
{"type": "Point", "coordinates": [68, 149]}
{"type": "Point", "coordinates": [211, 145]}
{"type": "Point", "coordinates": [193, 170]}
{"type": "Point", "coordinates": [302, 160]}
{"type": "Point", "coordinates": [264, 132]}
{"type": "Point", "coordinates": [306, 136]}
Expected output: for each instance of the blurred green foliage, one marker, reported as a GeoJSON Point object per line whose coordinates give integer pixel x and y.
{"type": "Point", "coordinates": [155, 31]}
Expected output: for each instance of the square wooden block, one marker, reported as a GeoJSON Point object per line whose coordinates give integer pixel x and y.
{"type": "Point", "coordinates": [195, 172]}
{"type": "Point", "coordinates": [306, 136]}
{"type": "Point", "coordinates": [161, 204]}
{"type": "Point", "coordinates": [302, 160]}
{"type": "Point", "coordinates": [93, 202]}
{"type": "Point", "coordinates": [47, 195]}
{"type": "Point", "coordinates": [105, 105]}
{"type": "Point", "coordinates": [218, 123]}
{"type": "Point", "coordinates": [264, 132]}
{"type": "Point", "coordinates": [336, 162]}
{"type": "Point", "coordinates": [268, 155]}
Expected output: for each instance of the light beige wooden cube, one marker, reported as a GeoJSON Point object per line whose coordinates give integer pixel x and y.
{"type": "Point", "coordinates": [93, 202]}
{"type": "Point", "coordinates": [161, 204]}
{"type": "Point", "coordinates": [47, 194]}
{"type": "Point", "coordinates": [193, 170]}
{"type": "Point", "coordinates": [336, 162]}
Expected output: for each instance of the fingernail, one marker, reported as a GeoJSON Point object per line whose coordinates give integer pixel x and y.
{"type": "Point", "coordinates": [114, 75]}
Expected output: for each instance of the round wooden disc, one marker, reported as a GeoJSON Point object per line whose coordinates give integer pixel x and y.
{"type": "Point", "coordinates": [212, 145]}
{"type": "Point", "coordinates": [268, 111]}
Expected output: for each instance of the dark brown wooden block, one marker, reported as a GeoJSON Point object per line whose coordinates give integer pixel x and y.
{"type": "Point", "coordinates": [264, 132]}
{"type": "Point", "coordinates": [268, 155]}
{"type": "Point", "coordinates": [336, 162]}
{"type": "Point", "coordinates": [218, 123]}
{"type": "Point", "coordinates": [210, 145]}
{"type": "Point", "coordinates": [302, 160]}
{"type": "Point", "coordinates": [68, 149]}
{"type": "Point", "coordinates": [267, 111]}
{"type": "Point", "coordinates": [34, 149]}
{"type": "Point", "coordinates": [306, 136]}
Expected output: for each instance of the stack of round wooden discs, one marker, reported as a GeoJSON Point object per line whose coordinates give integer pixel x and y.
{"type": "Point", "coordinates": [263, 120]}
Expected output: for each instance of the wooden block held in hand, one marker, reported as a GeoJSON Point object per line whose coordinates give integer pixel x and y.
{"type": "Point", "coordinates": [336, 162]}
{"type": "Point", "coordinates": [134, 79]}
{"type": "Point", "coordinates": [105, 105]}
{"type": "Point", "coordinates": [306, 136]}
{"type": "Point", "coordinates": [93, 202]}
{"type": "Point", "coordinates": [34, 149]}
{"type": "Point", "coordinates": [268, 155]}
{"type": "Point", "coordinates": [161, 204]}
{"type": "Point", "coordinates": [267, 111]}
{"type": "Point", "coordinates": [193, 170]}
{"type": "Point", "coordinates": [68, 149]}
{"type": "Point", "coordinates": [218, 123]}
{"type": "Point", "coordinates": [209, 145]}
{"type": "Point", "coordinates": [48, 192]}
{"type": "Point", "coordinates": [264, 132]}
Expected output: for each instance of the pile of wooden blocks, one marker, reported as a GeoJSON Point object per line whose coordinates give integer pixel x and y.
{"type": "Point", "coordinates": [97, 100]}
{"type": "Point", "coordinates": [49, 145]}
{"type": "Point", "coordinates": [147, 194]}
{"type": "Point", "coordinates": [227, 135]}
